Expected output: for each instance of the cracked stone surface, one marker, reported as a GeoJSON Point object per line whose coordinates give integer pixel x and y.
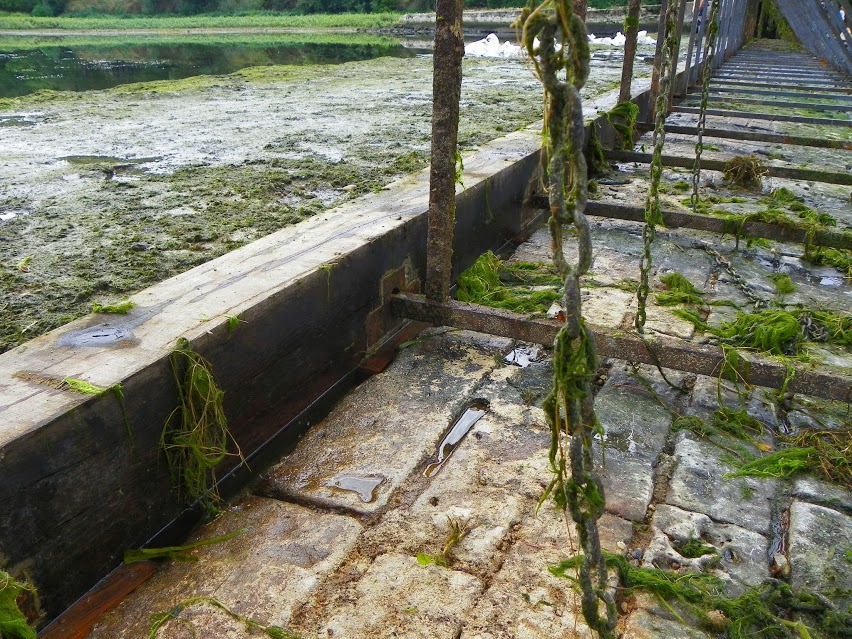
{"type": "Point", "coordinates": [416, 601]}
{"type": "Point", "coordinates": [741, 557]}
{"type": "Point", "coordinates": [698, 484]}
{"type": "Point", "coordinates": [820, 539]}
{"type": "Point", "coordinates": [384, 428]}
{"type": "Point", "coordinates": [277, 558]}
{"type": "Point", "coordinates": [635, 428]}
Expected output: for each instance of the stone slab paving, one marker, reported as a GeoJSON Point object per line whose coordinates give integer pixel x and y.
{"type": "Point", "coordinates": [820, 542]}
{"type": "Point", "coordinates": [383, 430]}
{"type": "Point", "coordinates": [397, 597]}
{"type": "Point", "coordinates": [699, 485]}
{"type": "Point", "coordinates": [279, 554]}
{"type": "Point", "coordinates": [324, 574]}
{"type": "Point", "coordinates": [344, 562]}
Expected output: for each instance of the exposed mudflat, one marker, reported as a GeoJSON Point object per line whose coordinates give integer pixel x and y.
{"type": "Point", "coordinates": [106, 192]}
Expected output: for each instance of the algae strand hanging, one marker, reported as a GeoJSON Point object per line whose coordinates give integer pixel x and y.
{"type": "Point", "coordinates": [195, 437]}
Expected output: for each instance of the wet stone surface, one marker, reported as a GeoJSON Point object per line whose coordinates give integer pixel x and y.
{"type": "Point", "coordinates": [384, 570]}
{"type": "Point", "coordinates": [278, 556]}
{"type": "Point", "coordinates": [387, 426]}
{"type": "Point", "coordinates": [698, 484]}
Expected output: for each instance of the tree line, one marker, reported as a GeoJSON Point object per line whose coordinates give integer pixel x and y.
{"type": "Point", "coordinates": [191, 7]}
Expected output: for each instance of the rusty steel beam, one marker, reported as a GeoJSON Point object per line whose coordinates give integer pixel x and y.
{"type": "Point", "coordinates": [758, 136]}
{"type": "Point", "coordinates": [785, 172]}
{"type": "Point", "coordinates": [748, 115]}
{"type": "Point", "coordinates": [717, 82]}
{"type": "Point", "coordinates": [712, 224]}
{"type": "Point", "coordinates": [666, 352]}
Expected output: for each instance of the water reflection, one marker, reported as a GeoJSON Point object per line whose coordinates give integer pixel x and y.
{"type": "Point", "coordinates": [64, 65]}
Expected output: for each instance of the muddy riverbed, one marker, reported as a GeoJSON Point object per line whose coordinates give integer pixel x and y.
{"type": "Point", "coordinates": [105, 192]}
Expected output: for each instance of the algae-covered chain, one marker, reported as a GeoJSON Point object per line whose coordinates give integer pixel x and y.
{"type": "Point", "coordinates": [709, 54]}
{"type": "Point", "coordinates": [570, 405]}
{"type": "Point", "coordinates": [653, 216]}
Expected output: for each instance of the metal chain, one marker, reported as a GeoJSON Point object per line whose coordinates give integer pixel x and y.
{"type": "Point", "coordinates": [570, 405]}
{"type": "Point", "coordinates": [653, 216]}
{"type": "Point", "coordinates": [740, 282]}
{"type": "Point", "coordinates": [707, 59]}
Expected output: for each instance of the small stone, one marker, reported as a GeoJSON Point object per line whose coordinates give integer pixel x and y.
{"type": "Point", "coordinates": [779, 566]}
{"type": "Point", "coordinates": [637, 553]}
{"type": "Point", "coordinates": [717, 619]}
{"type": "Point", "coordinates": [621, 545]}
{"type": "Point", "coordinates": [140, 247]}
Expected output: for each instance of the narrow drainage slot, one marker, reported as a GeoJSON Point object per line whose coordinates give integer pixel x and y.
{"type": "Point", "coordinates": [469, 417]}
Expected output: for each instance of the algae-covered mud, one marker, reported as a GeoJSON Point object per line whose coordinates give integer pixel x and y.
{"type": "Point", "coordinates": [103, 193]}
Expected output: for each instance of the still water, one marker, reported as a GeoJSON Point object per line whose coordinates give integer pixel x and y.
{"type": "Point", "coordinates": [66, 65]}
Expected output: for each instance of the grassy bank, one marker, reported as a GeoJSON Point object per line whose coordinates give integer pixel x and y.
{"type": "Point", "coordinates": [24, 42]}
{"type": "Point", "coordinates": [20, 21]}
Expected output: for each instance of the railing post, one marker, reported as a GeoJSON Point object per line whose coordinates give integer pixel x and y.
{"type": "Point", "coordinates": [681, 15]}
{"type": "Point", "coordinates": [631, 32]}
{"type": "Point", "coordinates": [446, 91]}
{"type": "Point", "coordinates": [658, 60]}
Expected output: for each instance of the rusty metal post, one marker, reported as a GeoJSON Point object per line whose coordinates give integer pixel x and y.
{"type": "Point", "coordinates": [681, 14]}
{"type": "Point", "coordinates": [658, 55]}
{"type": "Point", "coordinates": [631, 32]}
{"type": "Point", "coordinates": [446, 91]}
{"type": "Point", "coordinates": [693, 28]}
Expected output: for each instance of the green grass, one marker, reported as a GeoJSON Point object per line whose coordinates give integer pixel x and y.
{"type": "Point", "coordinates": [20, 21]}
{"type": "Point", "coordinates": [260, 40]}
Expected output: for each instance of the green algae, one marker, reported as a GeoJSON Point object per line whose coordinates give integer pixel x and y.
{"type": "Point", "coordinates": [176, 553]}
{"type": "Point", "coordinates": [195, 437]}
{"type": "Point", "coordinates": [13, 622]}
{"type": "Point", "coordinates": [696, 598]}
{"type": "Point", "coordinates": [484, 283]}
{"type": "Point", "coordinates": [119, 308]}
{"type": "Point", "coordinates": [783, 283]}
{"type": "Point", "coordinates": [679, 290]}
{"type": "Point", "coordinates": [159, 620]}
{"type": "Point", "coordinates": [693, 548]}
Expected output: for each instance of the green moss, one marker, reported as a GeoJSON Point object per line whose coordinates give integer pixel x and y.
{"type": "Point", "coordinates": [13, 623]}
{"type": "Point", "coordinates": [533, 287]}
{"type": "Point", "coordinates": [679, 291]}
{"type": "Point", "coordinates": [783, 283]}
{"type": "Point", "coordinates": [693, 548]}
{"type": "Point", "coordinates": [761, 611]}
{"type": "Point", "coordinates": [681, 186]}
{"type": "Point", "coordinates": [623, 117]}
{"type": "Point", "coordinates": [119, 308]}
